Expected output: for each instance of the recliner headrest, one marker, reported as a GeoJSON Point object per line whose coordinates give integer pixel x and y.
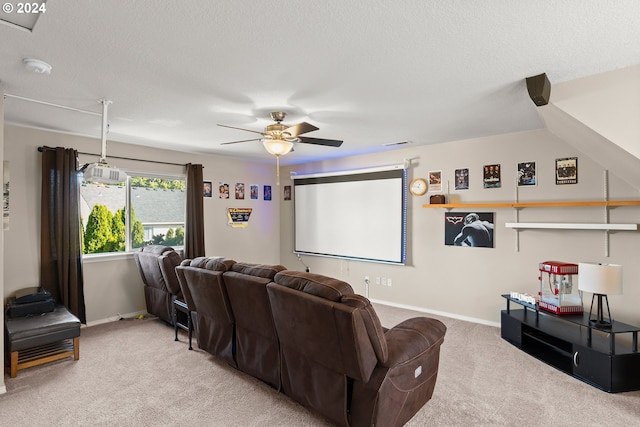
{"type": "Point", "coordinates": [371, 323]}
{"type": "Point", "coordinates": [314, 284]}
{"type": "Point", "coordinates": [156, 249]}
{"type": "Point", "coordinates": [258, 270]}
{"type": "Point", "coordinates": [213, 264]}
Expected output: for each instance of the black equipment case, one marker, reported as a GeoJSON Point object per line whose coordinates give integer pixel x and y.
{"type": "Point", "coordinates": [30, 301]}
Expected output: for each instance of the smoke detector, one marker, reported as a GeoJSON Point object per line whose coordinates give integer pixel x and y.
{"type": "Point", "coordinates": [37, 66]}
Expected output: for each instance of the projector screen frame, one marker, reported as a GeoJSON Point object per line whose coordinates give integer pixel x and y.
{"type": "Point", "coordinates": [382, 179]}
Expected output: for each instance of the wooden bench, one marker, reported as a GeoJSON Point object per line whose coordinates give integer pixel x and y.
{"type": "Point", "coordinates": [37, 339]}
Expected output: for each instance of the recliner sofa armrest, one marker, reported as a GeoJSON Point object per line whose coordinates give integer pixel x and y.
{"type": "Point", "coordinates": [401, 385]}
{"type": "Point", "coordinates": [412, 338]}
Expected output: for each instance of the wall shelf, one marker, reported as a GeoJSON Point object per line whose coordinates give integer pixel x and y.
{"type": "Point", "coordinates": [518, 205]}
{"type": "Point", "coordinates": [519, 226]}
{"type": "Point", "coordinates": [571, 226]}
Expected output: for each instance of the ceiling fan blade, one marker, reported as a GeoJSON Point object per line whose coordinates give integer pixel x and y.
{"type": "Point", "coordinates": [321, 141]}
{"type": "Point", "coordinates": [300, 128]}
{"type": "Point", "coordinates": [244, 140]}
{"type": "Point", "coordinates": [246, 130]}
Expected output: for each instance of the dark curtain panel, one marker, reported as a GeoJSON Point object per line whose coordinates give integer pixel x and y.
{"type": "Point", "coordinates": [194, 228]}
{"type": "Point", "coordinates": [60, 238]}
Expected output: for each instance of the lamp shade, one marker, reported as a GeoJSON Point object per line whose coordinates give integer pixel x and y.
{"type": "Point", "coordinates": [605, 279]}
{"type": "Point", "coordinates": [277, 147]}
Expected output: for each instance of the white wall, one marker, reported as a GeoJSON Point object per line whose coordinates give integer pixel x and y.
{"type": "Point", "coordinates": [463, 282]}
{"type": "Point", "coordinates": [113, 286]}
{"type": "Point", "coordinates": [608, 102]}
{"type": "Point", "coordinates": [467, 282]}
{"type": "Point", "coordinates": [3, 389]}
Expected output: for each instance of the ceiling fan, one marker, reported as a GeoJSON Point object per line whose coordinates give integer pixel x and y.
{"type": "Point", "coordinates": [278, 138]}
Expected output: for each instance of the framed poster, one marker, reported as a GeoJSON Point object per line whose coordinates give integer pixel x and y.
{"type": "Point", "coordinates": [491, 176]}
{"type": "Point", "coordinates": [254, 190]}
{"type": "Point", "coordinates": [435, 180]}
{"type": "Point", "coordinates": [5, 195]}
{"type": "Point", "coordinates": [468, 229]}
{"type": "Point", "coordinates": [527, 174]}
{"type": "Point", "coordinates": [207, 189]}
{"type": "Point", "coordinates": [287, 192]}
{"type": "Point", "coordinates": [462, 179]}
{"type": "Point", "coordinates": [239, 190]}
{"type": "Point", "coordinates": [567, 171]}
{"type": "Point", "coordinates": [267, 192]}
{"type": "Point", "coordinates": [223, 190]}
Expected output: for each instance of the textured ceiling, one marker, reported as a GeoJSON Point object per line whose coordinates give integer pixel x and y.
{"type": "Point", "coordinates": [370, 72]}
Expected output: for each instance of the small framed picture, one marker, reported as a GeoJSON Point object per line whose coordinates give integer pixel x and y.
{"type": "Point", "coordinates": [207, 189]}
{"type": "Point", "coordinates": [491, 176]}
{"type": "Point", "coordinates": [254, 190]}
{"type": "Point", "coordinates": [223, 190]}
{"type": "Point", "coordinates": [567, 171]}
{"type": "Point", "coordinates": [239, 191]}
{"type": "Point", "coordinates": [287, 192]}
{"type": "Point", "coordinates": [527, 174]}
{"type": "Point", "coordinates": [462, 179]}
{"type": "Point", "coordinates": [267, 192]}
{"type": "Point", "coordinates": [435, 180]}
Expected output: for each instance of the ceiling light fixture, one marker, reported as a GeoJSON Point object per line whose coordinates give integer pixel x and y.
{"type": "Point", "coordinates": [278, 139]}
{"type": "Point", "coordinates": [278, 147]}
{"type": "Point", "coordinates": [37, 66]}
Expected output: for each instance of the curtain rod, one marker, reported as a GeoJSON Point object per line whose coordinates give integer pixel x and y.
{"type": "Point", "coordinates": [41, 149]}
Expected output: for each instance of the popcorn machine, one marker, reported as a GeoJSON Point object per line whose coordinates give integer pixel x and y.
{"type": "Point", "coordinates": [557, 290]}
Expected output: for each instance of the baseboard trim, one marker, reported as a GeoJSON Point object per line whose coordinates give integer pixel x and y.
{"type": "Point", "coordinates": [377, 301]}
{"type": "Point", "coordinates": [439, 313]}
{"type": "Point", "coordinates": [115, 318]}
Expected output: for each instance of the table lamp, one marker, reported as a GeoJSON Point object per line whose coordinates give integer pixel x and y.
{"type": "Point", "coordinates": [600, 280]}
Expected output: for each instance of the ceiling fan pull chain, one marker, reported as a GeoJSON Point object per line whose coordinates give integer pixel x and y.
{"type": "Point", "coordinates": [278, 170]}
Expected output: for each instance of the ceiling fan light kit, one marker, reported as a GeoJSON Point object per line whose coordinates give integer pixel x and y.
{"type": "Point", "coordinates": [278, 138]}
{"type": "Point", "coordinates": [284, 135]}
{"type": "Point", "coordinates": [277, 147]}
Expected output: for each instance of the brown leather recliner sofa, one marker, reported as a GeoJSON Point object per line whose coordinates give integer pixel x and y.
{"type": "Point", "coordinates": [314, 339]}
{"type": "Point", "coordinates": [232, 313]}
{"type": "Point", "coordinates": [157, 264]}
{"type": "Point", "coordinates": [206, 297]}
{"type": "Point", "coordinates": [257, 347]}
{"type": "Point", "coordinates": [339, 360]}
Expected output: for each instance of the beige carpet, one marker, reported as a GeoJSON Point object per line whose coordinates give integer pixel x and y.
{"type": "Point", "coordinates": [132, 373]}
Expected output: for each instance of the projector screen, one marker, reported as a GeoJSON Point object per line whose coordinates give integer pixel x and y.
{"type": "Point", "coordinates": [358, 214]}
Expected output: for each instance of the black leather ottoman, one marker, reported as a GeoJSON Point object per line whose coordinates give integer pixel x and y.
{"type": "Point", "coordinates": [38, 339]}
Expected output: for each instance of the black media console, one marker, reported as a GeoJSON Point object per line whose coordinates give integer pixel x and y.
{"type": "Point", "coordinates": [607, 359]}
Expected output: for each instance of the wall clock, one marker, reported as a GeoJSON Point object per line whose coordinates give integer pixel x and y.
{"type": "Point", "coordinates": [418, 186]}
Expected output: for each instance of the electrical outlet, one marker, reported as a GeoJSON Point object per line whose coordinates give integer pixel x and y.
{"type": "Point", "coordinates": [377, 280]}
{"type": "Point", "coordinates": [384, 281]}
{"type": "Point", "coordinates": [388, 281]}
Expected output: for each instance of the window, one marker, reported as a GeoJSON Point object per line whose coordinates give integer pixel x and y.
{"type": "Point", "coordinates": [146, 210]}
